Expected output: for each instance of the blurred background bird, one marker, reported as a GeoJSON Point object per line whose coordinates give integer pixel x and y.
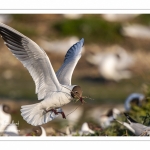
{"type": "Point", "coordinates": [113, 65]}
{"type": "Point", "coordinates": [137, 128]}
{"type": "Point", "coordinates": [5, 117]}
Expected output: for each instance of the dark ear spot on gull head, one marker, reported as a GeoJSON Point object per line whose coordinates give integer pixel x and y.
{"type": "Point", "coordinates": [6, 109]}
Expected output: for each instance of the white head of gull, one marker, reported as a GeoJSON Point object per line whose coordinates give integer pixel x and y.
{"type": "Point", "coordinates": [55, 90]}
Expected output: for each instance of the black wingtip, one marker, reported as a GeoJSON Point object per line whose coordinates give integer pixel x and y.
{"type": "Point", "coordinates": [126, 114]}
{"type": "Point", "coordinates": [129, 118]}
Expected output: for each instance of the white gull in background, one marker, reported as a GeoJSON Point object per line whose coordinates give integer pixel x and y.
{"type": "Point", "coordinates": [136, 31]}
{"type": "Point", "coordinates": [105, 120]}
{"type": "Point", "coordinates": [119, 17]}
{"type": "Point", "coordinates": [135, 98]}
{"type": "Point", "coordinates": [85, 130]}
{"type": "Point", "coordinates": [137, 128]}
{"type": "Point", "coordinates": [5, 117]}
{"type": "Point", "coordinates": [113, 66]}
{"type": "Point", "coordinates": [59, 47]}
{"type": "Point", "coordinates": [11, 130]}
{"type": "Point", "coordinates": [55, 90]}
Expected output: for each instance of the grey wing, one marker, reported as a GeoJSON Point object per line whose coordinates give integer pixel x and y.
{"type": "Point", "coordinates": [33, 58]}
{"type": "Point", "coordinates": [139, 128]}
{"type": "Point", "coordinates": [64, 74]}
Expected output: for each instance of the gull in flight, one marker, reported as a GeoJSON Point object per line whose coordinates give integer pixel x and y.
{"type": "Point", "coordinates": [137, 128]}
{"type": "Point", "coordinates": [55, 90]}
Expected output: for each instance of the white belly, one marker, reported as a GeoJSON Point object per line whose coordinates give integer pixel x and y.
{"type": "Point", "coordinates": [55, 100]}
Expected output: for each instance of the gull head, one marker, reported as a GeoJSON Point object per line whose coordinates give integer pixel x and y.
{"type": "Point", "coordinates": [77, 93]}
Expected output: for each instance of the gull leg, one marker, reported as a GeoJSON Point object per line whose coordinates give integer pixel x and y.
{"type": "Point", "coordinates": [63, 115]}
{"type": "Point", "coordinates": [53, 110]}
{"type": "Point", "coordinates": [57, 112]}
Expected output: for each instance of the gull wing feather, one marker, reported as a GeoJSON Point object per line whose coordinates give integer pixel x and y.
{"type": "Point", "coordinates": [64, 74]}
{"type": "Point", "coordinates": [33, 58]}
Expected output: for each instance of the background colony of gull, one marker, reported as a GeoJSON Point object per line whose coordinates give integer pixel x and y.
{"type": "Point", "coordinates": [106, 72]}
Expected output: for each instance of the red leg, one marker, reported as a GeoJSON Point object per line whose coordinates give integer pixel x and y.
{"type": "Point", "coordinates": [63, 115]}
{"type": "Point", "coordinates": [54, 110]}
{"type": "Point", "coordinates": [56, 113]}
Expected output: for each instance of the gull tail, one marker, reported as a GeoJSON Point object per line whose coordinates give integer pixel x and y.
{"type": "Point", "coordinates": [35, 115]}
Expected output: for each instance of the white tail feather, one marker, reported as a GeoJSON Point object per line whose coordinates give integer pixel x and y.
{"type": "Point", "coordinates": [35, 115]}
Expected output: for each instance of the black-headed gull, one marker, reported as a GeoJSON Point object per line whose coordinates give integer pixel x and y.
{"type": "Point", "coordinates": [135, 98]}
{"type": "Point", "coordinates": [5, 117]}
{"type": "Point", "coordinates": [105, 120]}
{"type": "Point", "coordinates": [55, 90]}
{"type": "Point", "coordinates": [137, 128]}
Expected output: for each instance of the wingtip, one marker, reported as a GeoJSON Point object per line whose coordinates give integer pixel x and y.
{"type": "Point", "coordinates": [82, 40]}
{"type": "Point", "coordinates": [126, 114]}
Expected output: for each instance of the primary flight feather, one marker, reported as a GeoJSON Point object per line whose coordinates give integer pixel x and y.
{"type": "Point", "coordinates": [55, 90]}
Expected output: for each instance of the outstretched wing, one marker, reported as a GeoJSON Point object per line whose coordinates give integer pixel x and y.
{"type": "Point", "coordinates": [64, 74]}
{"type": "Point", "coordinates": [33, 58]}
